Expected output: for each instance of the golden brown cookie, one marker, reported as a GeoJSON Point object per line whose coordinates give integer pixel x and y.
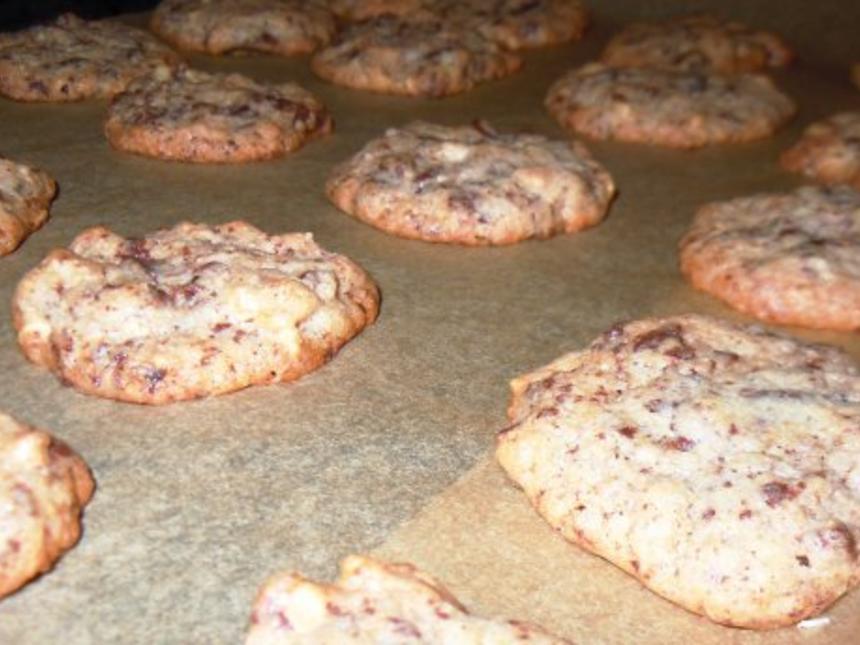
{"type": "Point", "coordinates": [189, 115]}
{"type": "Point", "coordinates": [471, 185]}
{"type": "Point", "coordinates": [44, 486]}
{"type": "Point", "coordinates": [189, 311]}
{"type": "Point", "coordinates": [828, 151]}
{"type": "Point", "coordinates": [376, 602]}
{"type": "Point", "coordinates": [73, 59]}
{"type": "Point", "coordinates": [791, 258]}
{"type": "Point", "coordinates": [671, 108]}
{"type": "Point", "coordinates": [718, 464]}
{"type": "Point", "coordinates": [25, 196]}
{"type": "Point", "coordinates": [428, 57]}
{"type": "Point", "coordinates": [697, 43]}
{"type": "Point", "coordinates": [283, 27]}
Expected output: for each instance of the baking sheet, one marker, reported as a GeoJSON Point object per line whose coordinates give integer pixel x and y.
{"type": "Point", "coordinates": [197, 503]}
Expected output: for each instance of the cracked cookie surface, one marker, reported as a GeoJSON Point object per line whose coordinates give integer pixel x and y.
{"type": "Point", "coordinates": [284, 27]}
{"type": "Point", "coordinates": [375, 602]}
{"type": "Point", "coordinates": [190, 311]}
{"type": "Point", "coordinates": [188, 115]}
{"type": "Point", "coordinates": [73, 59]}
{"type": "Point", "coordinates": [426, 57]}
{"type": "Point", "coordinates": [25, 197]}
{"type": "Point", "coordinates": [828, 151]}
{"type": "Point", "coordinates": [670, 108]}
{"type": "Point", "coordinates": [44, 486]}
{"type": "Point", "coordinates": [471, 185]}
{"type": "Point", "coordinates": [697, 43]}
{"type": "Point", "coordinates": [791, 258]}
{"type": "Point", "coordinates": [718, 464]}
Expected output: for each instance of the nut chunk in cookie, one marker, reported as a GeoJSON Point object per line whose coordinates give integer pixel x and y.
{"type": "Point", "coordinates": [828, 151]}
{"type": "Point", "coordinates": [190, 311]}
{"type": "Point", "coordinates": [426, 57]}
{"type": "Point", "coordinates": [44, 486]}
{"type": "Point", "coordinates": [188, 115]}
{"type": "Point", "coordinates": [671, 108]}
{"type": "Point", "coordinates": [25, 196]}
{"type": "Point", "coordinates": [73, 59]}
{"type": "Point", "coordinates": [283, 27]}
{"type": "Point", "coordinates": [375, 602]}
{"type": "Point", "coordinates": [697, 43]}
{"type": "Point", "coordinates": [718, 464]}
{"type": "Point", "coordinates": [471, 185]}
{"type": "Point", "coordinates": [791, 258]}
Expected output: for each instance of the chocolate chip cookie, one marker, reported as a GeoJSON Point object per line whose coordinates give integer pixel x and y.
{"type": "Point", "coordinates": [471, 185]}
{"type": "Point", "coordinates": [375, 602]}
{"type": "Point", "coordinates": [188, 115]}
{"type": "Point", "coordinates": [671, 108]}
{"type": "Point", "coordinates": [718, 464]}
{"type": "Point", "coordinates": [190, 311]}
{"type": "Point", "coordinates": [44, 486]}
{"type": "Point", "coordinates": [73, 59]}
{"type": "Point", "coordinates": [25, 196]}
{"type": "Point", "coordinates": [283, 27]}
{"type": "Point", "coordinates": [789, 258]}
{"type": "Point", "coordinates": [828, 151]}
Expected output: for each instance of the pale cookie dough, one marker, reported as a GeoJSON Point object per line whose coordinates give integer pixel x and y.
{"type": "Point", "coordinates": [828, 151]}
{"type": "Point", "coordinates": [283, 27]}
{"type": "Point", "coordinates": [25, 196]}
{"type": "Point", "coordinates": [73, 59]}
{"type": "Point", "coordinates": [188, 115]}
{"type": "Point", "coordinates": [471, 185]}
{"type": "Point", "coordinates": [376, 602]}
{"type": "Point", "coordinates": [791, 258]}
{"type": "Point", "coordinates": [717, 464]}
{"type": "Point", "coordinates": [697, 43]}
{"type": "Point", "coordinates": [429, 58]}
{"type": "Point", "coordinates": [44, 486]}
{"type": "Point", "coordinates": [189, 311]}
{"type": "Point", "coordinates": [520, 24]}
{"type": "Point", "coordinates": [679, 109]}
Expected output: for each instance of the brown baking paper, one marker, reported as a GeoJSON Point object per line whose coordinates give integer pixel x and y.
{"type": "Point", "coordinates": [197, 503]}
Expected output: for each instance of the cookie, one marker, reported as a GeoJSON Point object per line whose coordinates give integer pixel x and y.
{"type": "Point", "coordinates": [44, 486]}
{"type": "Point", "coordinates": [358, 10]}
{"type": "Point", "coordinates": [828, 151]}
{"type": "Point", "coordinates": [25, 196]}
{"type": "Point", "coordinates": [792, 258]}
{"type": "Point", "coordinates": [73, 59]}
{"type": "Point", "coordinates": [427, 57]}
{"type": "Point", "coordinates": [697, 43]}
{"type": "Point", "coordinates": [375, 602]}
{"type": "Point", "coordinates": [471, 185]}
{"type": "Point", "coordinates": [188, 115]}
{"type": "Point", "coordinates": [283, 27]}
{"type": "Point", "coordinates": [669, 108]}
{"type": "Point", "coordinates": [718, 464]}
{"type": "Point", "coordinates": [190, 311]}
{"type": "Point", "coordinates": [521, 24]}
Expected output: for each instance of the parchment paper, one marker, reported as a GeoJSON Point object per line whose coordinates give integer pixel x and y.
{"type": "Point", "coordinates": [197, 503]}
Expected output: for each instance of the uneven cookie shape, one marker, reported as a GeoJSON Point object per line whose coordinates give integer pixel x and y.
{"type": "Point", "coordinates": [697, 43]}
{"type": "Point", "coordinates": [44, 486]}
{"type": "Point", "coordinates": [190, 311]}
{"type": "Point", "coordinates": [424, 57]}
{"type": "Point", "coordinates": [375, 602]}
{"type": "Point", "coordinates": [73, 59]}
{"type": "Point", "coordinates": [25, 196]}
{"type": "Point", "coordinates": [283, 27]}
{"type": "Point", "coordinates": [520, 24]}
{"type": "Point", "coordinates": [670, 108]}
{"type": "Point", "coordinates": [471, 185]}
{"type": "Point", "coordinates": [788, 258]}
{"type": "Point", "coordinates": [195, 116]}
{"type": "Point", "coordinates": [718, 464]}
{"type": "Point", "coordinates": [828, 151]}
